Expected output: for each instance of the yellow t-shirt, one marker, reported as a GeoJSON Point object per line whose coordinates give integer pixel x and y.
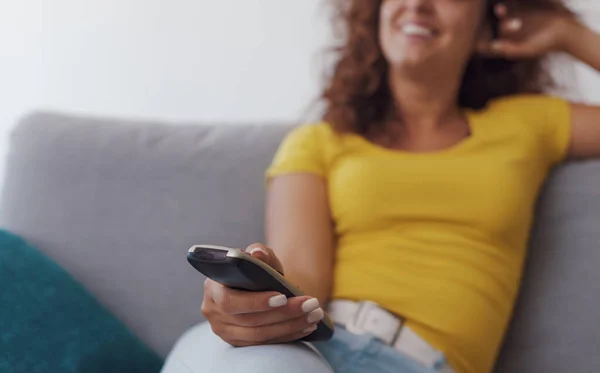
{"type": "Point", "coordinates": [439, 238]}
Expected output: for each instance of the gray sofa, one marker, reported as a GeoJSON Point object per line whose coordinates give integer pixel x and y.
{"type": "Point", "coordinates": [118, 203]}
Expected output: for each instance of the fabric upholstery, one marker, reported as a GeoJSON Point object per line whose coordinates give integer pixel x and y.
{"type": "Point", "coordinates": [118, 203]}
{"type": "Point", "coordinates": [50, 323]}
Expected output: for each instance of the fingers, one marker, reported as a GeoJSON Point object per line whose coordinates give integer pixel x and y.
{"type": "Point", "coordinates": [510, 26]}
{"type": "Point", "coordinates": [510, 22]}
{"type": "Point", "coordinates": [507, 42]}
{"type": "Point", "coordinates": [266, 255]}
{"type": "Point", "coordinates": [275, 333]}
{"type": "Point", "coordinates": [297, 307]}
{"type": "Point", "coordinates": [231, 301]}
{"type": "Point", "coordinates": [294, 337]}
{"type": "Point", "coordinates": [255, 309]}
{"type": "Point", "coordinates": [513, 50]}
{"type": "Point", "coordinates": [504, 49]}
{"type": "Point", "coordinates": [501, 10]}
{"type": "Point", "coordinates": [243, 318]}
{"type": "Point", "coordinates": [510, 33]}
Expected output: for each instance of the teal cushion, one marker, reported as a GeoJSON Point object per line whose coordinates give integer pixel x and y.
{"type": "Point", "coordinates": [50, 323]}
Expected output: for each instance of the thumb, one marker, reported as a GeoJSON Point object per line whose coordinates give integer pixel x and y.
{"type": "Point", "coordinates": [509, 49]}
{"type": "Point", "coordinates": [266, 255]}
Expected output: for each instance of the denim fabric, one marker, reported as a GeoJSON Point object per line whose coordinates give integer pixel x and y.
{"type": "Point", "coordinates": [199, 350]}
{"type": "Point", "coordinates": [350, 353]}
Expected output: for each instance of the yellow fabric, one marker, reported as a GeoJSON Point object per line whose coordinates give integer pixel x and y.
{"type": "Point", "coordinates": [439, 238]}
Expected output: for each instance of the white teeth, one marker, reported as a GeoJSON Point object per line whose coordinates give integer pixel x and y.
{"type": "Point", "coordinates": [416, 30]}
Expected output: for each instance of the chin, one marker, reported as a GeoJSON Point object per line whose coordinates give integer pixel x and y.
{"type": "Point", "coordinates": [410, 62]}
{"type": "Point", "coordinates": [411, 55]}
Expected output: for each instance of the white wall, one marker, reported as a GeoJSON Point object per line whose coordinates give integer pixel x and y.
{"type": "Point", "coordinates": [20, 63]}
{"type": "Point", "coordinates": [203, 60]}
{"type": "Point", "coordinates": [587, 81]}
{"type": "Point", "coordinates": [200, 59]}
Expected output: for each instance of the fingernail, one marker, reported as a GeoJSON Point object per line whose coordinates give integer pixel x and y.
{"type": "Point", "coordinates": [310, 305]}
{"type": "Point", "coordinates": [310, 329]}
{"type": "Point", "coordinates": [500, 9]}
{"type": "Point", "coordinates": [496, 46]}
{"type": "Point", "coordinates": [259, 249]}
{"type": "Point", "coordinates": [515, 24]}
{"type": "Point", "coordinates": [316, 315]}
{"type": "Point", "coordinates": [278, 301]}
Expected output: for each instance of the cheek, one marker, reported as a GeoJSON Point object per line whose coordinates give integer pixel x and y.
{"type": "Point", "coordinates": [386, 39]}
{"type": "Point", "coordinates": [387, 9]}
{"type": "Point", "coordinates": [391, 45]}
{"type": "Point", "coordinates": [466, 31]}
{"type": "Point", "coordinates": [386, 44]}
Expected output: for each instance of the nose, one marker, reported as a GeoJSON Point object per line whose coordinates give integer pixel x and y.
{"type": "Point", "coordinates": [419, 5]}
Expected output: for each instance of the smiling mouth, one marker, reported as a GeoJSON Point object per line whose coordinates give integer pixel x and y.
{"type": "Point", "coordinates": [412, 29]}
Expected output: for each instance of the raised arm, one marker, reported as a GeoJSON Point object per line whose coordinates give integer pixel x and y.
{"type": "Point", "coordinates": [585, 137]}
{"type": "Point", "coordinates": [527, 34]}
{"type": "Point", "coordinates": [584, 44]}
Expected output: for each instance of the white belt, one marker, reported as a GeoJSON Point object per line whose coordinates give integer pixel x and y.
{"type": "Point", "coordinates": [369, 318]}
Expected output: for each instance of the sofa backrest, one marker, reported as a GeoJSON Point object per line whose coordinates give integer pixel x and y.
{"type": "Point", "coordinates": [555, 326]}
{"type": "Point", "coordinates": [118, 203]}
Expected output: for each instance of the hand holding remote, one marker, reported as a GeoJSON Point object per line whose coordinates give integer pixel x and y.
{"type": "Point", "coordinates": [245, 318]}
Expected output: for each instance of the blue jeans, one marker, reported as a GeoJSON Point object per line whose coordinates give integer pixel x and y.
{"type": "Point", "coordinates": [199, 351]}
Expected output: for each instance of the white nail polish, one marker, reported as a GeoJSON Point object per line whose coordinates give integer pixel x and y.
{"type": "Point", "coordinates": [316, 315]}
{"type": "Point", "coordinates": [310, 305]}
{"type": "Point", "coordinates": [515, 24]}
{"type": "Point", "coordinates": [259, 249]}
{"type": "Point", "coordinates": [310, 329]}
{"type": "Point", "coordinates": [278, 301]}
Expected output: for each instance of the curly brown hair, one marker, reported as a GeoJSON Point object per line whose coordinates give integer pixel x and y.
{"type": "Point", "coordinates": [357, 96]}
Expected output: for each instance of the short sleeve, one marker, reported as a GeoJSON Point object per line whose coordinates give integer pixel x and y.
{"type": "Point", "coordinates": [555, 128]}
{"type": "Point", "coordinates": [302, 151]}
{"type": "Point", "coordinates": [545, 119]}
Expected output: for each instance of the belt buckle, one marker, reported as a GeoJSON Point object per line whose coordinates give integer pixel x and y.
{"type": "Point", "coordinates": [370, 319]}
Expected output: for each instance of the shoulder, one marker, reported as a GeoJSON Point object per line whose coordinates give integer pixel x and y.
{"type": "Point", "coordinates": [533, 113]}
{"type": "Point", "coordinates": [314, 136]}
{"type": "Point", "coordinates": [304, 149]}
{"type": "Point", "coordinates": [319, 131]}
{"type": "Point", "coordinates": [541, 120]}
{"type": "Point", "coordinates": [536, 104]}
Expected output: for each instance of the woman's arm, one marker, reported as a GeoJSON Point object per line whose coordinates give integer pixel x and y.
{"type": "Point", "coordinates": [299, 229]}
{"type": "Point", "coordinates": [585, 135]}
{"type": "Point", "coordinates": [526, 34]}
{"type": "Point", "coordinates": [584, 44]}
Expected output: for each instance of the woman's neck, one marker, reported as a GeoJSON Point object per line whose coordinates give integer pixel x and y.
{"type": "Point", "coordinates": [425, 103]}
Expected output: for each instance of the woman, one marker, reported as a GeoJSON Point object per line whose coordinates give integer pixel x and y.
{"type": "Point", "coordinates": [416, 193]}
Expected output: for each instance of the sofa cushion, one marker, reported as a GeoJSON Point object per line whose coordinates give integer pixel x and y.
{"type": "Point", "coordinates": [555, 327]}
{"type": "Point", "coordinates": [50, 323]}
